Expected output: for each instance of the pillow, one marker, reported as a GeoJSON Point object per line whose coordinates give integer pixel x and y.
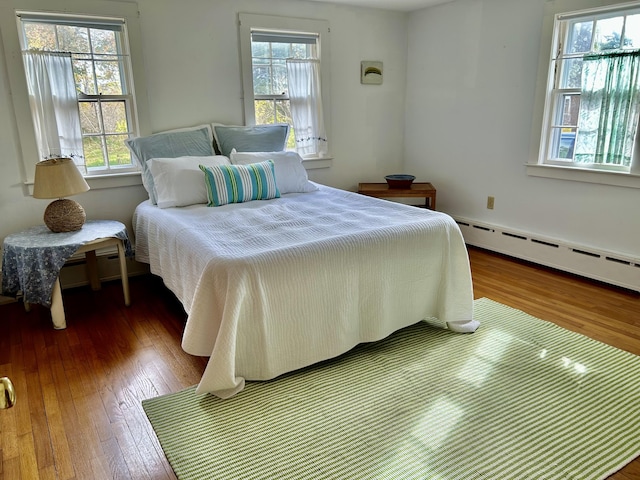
{"type": "Point", "coordinates": [178, 181]}
{"type": "Point", "coordinates": [194, 141]}
{"type": "Point", "coordinates": [257, 138]}
{"type": "Point", "coordinates": [240, 183]}
{"type": "Point", "coordinates": [291, 176]}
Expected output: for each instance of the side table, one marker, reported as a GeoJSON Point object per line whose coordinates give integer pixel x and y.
{"type": "Point", "coordinates": [417, 190]}
{"type": "Point", "coordinates": [32, 260]}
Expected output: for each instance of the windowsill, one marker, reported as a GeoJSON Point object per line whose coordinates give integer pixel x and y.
{"type": "Point", "coordinates": [619, 179]}
{"type": "Point", "coordinates": [99, 182]}
{"type": "Point", "coordinates": [311, 163]}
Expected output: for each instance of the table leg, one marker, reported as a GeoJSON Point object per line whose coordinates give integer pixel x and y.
{"type": "Point", "coordinates": [57, 307]}
{"type": "Point", "coordinates": [92, 270]}
{"type": "Point", "coordinates": [123, 274]}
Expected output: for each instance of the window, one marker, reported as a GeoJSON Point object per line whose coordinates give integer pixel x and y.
{"type": "Point", "coordinates": [283, 79]}
{"type": "Point", "coordinates": [592, 106]}
{"type": "Point", "coordinates": [94, 52]}
{"type": "Point", "coordinates": [269, 54]}
{"type": "Point", "coordinates": [99, 68]}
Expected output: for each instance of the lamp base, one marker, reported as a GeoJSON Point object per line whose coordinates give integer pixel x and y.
{"type": "Point", "coordinates": [64, 215]}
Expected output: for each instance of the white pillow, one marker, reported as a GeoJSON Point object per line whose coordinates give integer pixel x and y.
{"type": "Point", "coordinates": [179, 181]}
{"type": "Point", "coordinates": [291, 175]}
{"type": "Point", "coordinates": [181, 142]}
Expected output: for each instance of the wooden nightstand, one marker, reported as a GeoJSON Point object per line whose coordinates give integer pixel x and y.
{"type": "Point", "coordinates": [32, 260]}
{"type": "Point", "coordinates": [418, 190]}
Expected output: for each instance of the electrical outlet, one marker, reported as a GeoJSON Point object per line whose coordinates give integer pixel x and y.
{"type": "Point", "coordinates": [490, 202]}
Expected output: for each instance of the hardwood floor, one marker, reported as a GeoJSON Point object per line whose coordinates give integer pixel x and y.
{"type": "Point", "coordinates": [78, 413]}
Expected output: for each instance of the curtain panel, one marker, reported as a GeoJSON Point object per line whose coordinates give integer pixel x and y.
{"type": "Point", "coordinates": [306, 107]}
{"type": "Point", "coordinates": [54, 105]}
{"type": "Point", "coordinates": [609, 108]}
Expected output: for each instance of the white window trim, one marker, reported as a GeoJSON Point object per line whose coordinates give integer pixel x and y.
{"type": "Point", "coordinates": [248, 22]}
{"type": "Point", "coordinates": [10, 29]}
{"type": "Point", "coordinates": [536, 166]}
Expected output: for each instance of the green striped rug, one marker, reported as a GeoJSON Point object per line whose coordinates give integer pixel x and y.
{"type": "Point", "coordinates": [519, 399]}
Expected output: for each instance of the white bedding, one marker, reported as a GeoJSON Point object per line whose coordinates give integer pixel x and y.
{"type": "Point", "coordinates": [273, 286]}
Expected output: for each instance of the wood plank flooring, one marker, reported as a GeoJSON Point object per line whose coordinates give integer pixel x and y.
{"type": "Point", "coordinates": [79, 416]}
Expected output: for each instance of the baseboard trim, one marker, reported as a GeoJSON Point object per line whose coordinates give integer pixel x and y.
{"type": "Point", "coordinates": [605, 266]}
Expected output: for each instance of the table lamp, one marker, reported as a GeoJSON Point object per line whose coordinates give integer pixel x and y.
{"type": "Point", "coordinates": [7, 393]}
{"type": "Point", "coordinates": [57, 178]}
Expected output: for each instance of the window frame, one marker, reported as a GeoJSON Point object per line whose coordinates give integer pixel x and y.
{"type": "Point", "coordinates": [287, 25]}
{"type": "Point", "coordinates": [11, 29]}
{"type": "Point", "coordinates": [555, 31]}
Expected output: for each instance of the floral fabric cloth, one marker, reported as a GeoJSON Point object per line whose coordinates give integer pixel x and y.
{"type": "Point", "coordinates": [32, 259]}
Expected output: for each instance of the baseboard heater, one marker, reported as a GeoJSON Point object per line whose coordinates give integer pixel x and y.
{"type": "Point", "coordinates": [608, 267]}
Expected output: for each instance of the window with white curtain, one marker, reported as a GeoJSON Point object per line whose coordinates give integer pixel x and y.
{"type": "Point", "coordinates": [79, 84]}
{"type": "Point", "coordinates": [592, 107]}
{"type": "Point", "coordinates": [284, 72]}
{"type": "Point", "coordinates": [105, 92]}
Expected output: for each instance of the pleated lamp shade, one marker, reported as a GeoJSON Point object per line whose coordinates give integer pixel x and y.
{"type": "Point", "coordinates": [58, 178]}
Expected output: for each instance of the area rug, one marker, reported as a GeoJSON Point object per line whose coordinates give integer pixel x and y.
{"type": "Point", "coordinates": [519, 399]}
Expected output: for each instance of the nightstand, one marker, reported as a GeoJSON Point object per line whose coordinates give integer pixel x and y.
{"type": "Point", "coordinates": [32, 260]}
{"type": "Point", "coordinates": [417, 190]}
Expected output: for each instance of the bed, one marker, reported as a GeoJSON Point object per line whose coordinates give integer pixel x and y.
{"type": "Point", "coordinates": [270, 286]}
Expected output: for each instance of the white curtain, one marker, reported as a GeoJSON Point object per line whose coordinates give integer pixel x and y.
{"type": "Point", "coordinates": [306, 107]}
{"type": "Point", "coordinates": [54, 105]}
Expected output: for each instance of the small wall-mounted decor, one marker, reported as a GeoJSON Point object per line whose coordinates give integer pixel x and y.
{"type": "Point", "coordinates": [371, 73]}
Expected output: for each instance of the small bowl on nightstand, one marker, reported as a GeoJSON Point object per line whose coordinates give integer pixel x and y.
{"type": "Point", "coordinates": [399, 180]}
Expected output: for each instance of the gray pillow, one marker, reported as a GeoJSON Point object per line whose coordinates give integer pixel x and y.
{"type": "Point", "coordinates": [187, 142]}
{"type": "Point", "coordinates": [256, 138]}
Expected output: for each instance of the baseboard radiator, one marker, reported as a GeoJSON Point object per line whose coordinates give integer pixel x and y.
{"type": "Point", "coordinates": [608, 267]}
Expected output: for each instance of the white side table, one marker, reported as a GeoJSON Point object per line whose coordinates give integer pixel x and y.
{"type": "Point", "coordinates": [32, 260]}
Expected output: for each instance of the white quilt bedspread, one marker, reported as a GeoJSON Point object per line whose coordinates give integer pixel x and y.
{"type": "Point", "coordinates": [273, 286]}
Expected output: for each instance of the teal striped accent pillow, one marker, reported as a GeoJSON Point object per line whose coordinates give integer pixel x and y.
{"type": "Point", "coordinates": [240, 183]}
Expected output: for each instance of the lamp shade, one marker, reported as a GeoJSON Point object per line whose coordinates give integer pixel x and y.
{"type": "Point", "coordinates": [57, 178]}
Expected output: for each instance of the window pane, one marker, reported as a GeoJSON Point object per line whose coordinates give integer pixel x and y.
{"type": "Point", "coordinates": [89, 117]}
{"type": "Point", "coordinates": [299, 50]}
{"type": "Point", "coordinates": [108, 78]}
{"type": "Point", "coordinates": [280, 83]}
{"type": "Point", "coordinates": [280, 50]}
{"type": "Point", "coordinates": [119, 155]}
{"type": "Point", "coordinates": [114, 117]}
{"type": "Point", "coordinates": [580, 39]}
{"type": "Point", "coordinates": [283, 112]}
{"type": "Point", "coordinates": [261, 80]}
{"type": "Point", "coordinates": [563, 143]}
{"type": "Point", "coordinates": [571, 73]}
{"type": "Point", "coordinates": [40, 36]}
{"type": "Point", "coordinates": [260, 49]}
{"type": "Point", "coordinates": [83, 73]}
{"type": "Point", "coordinates": [608, 34]}
{"type": "Point", "coordinates": [73, 39]}
{"type": "Point", "coordinates": [265, 112]}
{"type": "Point", "coordinates": [569, 110]}
{"type": "Point", "coordinates": [103, 41]}
{"type": "Point", "coordinates": [632, 32]}
{"type": "Point", "coordinates": [93, 153]}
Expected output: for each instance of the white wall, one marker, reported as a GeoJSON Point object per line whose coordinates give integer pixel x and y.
{"type": "Point", "coordinates": [472, 122]}
{"type": "Point", "coordinates": [192, 66]}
